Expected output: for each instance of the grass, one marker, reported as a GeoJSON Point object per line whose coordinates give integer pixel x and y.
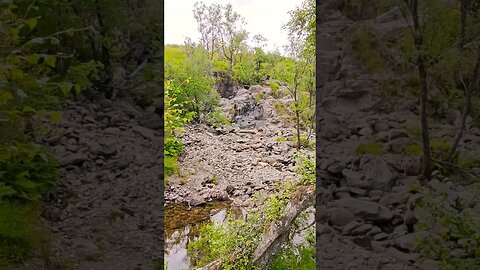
{"type": "Point", "coordinates": [20, 233]}
{"type": "Point", "coordinates": [175, 55]}
{"type": "Point", "coordinates": [371, 148]}
{"type": "Point", "coordinates": [288, 260]}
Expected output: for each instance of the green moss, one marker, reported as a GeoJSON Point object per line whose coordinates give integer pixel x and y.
{"type": "Point", "coordinates": [281, 139]}
{"type": "Point", "coordinates": [413, 149]}
{"type": "Point", "coordinates": [371, 148]}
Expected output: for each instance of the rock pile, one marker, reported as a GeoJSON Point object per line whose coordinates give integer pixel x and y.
{"type": "Point", "coordinates": [105, 212]}
{"type": "Point", "coordinates": [368, 196]}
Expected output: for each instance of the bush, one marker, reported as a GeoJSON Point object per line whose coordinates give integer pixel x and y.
{"type": "Point", "coordinates": [293, 258]}
{"type": "Point", "coordinates": [170, 166]}
{"type": "Point", "coordinates": [456, 238]}
{"type": "Point", "coordinates": [26, 171]}
{"type": "Point", "coordinates": [172, 147]}
{"type": "Point", "coordinates": [217, 119]}
{"type": "Point", "coordinates": [275, 88]}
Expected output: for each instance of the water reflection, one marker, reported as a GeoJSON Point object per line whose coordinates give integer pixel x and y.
{"type": "Point", "coordinates": [182, 225]}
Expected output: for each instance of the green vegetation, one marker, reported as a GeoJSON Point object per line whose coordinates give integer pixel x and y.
{"type": "Point", "coordinates": [371, 148]}
{"type": "Point", "coordinates": [235, 241]}
{"type": "Point", "coordinates": [20, 233]}
{"type": "Point", "coordinates": [51, 51]}
{"type": "Point", "coordinates": [455, 223]}
{"type": "Point", "coordinates": [221, 59]}
{"type": "Point", "coordinates": [301, 257]}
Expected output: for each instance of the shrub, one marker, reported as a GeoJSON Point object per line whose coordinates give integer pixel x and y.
{"type": "Point", "coordinates": [275, 88]}
{"type": "Point", "coordinates": [217, 119]}
{"type": "Point", "coordinates": [454, 238]}
{"type": "Point", "coordinates": [292, 258]}
{"type": "Point", "coordinates": [26, 171]}
{"type": "Point", "coordinates": [172, 147]}
{"type": "Point", "coordinates": [170, 165]}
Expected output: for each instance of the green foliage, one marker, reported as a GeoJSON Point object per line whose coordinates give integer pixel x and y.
{"type": "Point", "coordinates": [170, 165]}
{"type": "Point", "coordinates": [175, 118]}
{"type": "Point", "coordinates": [305, 167]}
{"type": "Point", "coordinates": [173, 147]}
{"type": "Point", "coordinates": [273, 206]}
{"type": "Point", "coordinates": [19, 232]}
{"type": "Point", "coordinates": [281, 139]}
{"type": "Point", "coordinates": [304, 141]}
{"type": "Point", "coordinates": [190, 72]}
{"type": "Point", "coordinates": [453, 224]}
{"type": "Point", "coordinates": [216, 118]}
{"type": "Point", "coordinates": [371, 148]}
{"type": "Point", "coordinates": [275, 88]}
{"type": "Point", "coordinates": [234, 242]}
{"type": "Point", "coordinates": [293, 258]}
{"type": "Point", "coordinates": [246, 73]}
{"type": "Point", "coordinates": [26, 171]}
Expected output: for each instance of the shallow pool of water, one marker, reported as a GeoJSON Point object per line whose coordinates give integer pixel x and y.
{"type": "Point", "coordinates": [182, 225]}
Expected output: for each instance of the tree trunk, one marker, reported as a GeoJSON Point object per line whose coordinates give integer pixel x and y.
{"type": "Point", "coordinates": [279, 229]}
{"type": "Point", "coordinates": [472, 84]}
{"type": "Point", "coordinates": [463, 22]}
{"type": "Point", "coordinates": [422, 74]}
{"type": "Point", "coordinates": [426, 162]}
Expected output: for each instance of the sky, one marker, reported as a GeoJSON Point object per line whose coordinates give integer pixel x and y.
{"type": "Point", "coordinates": [264, 17]}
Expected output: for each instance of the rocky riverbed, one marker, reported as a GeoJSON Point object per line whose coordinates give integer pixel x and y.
{"type": "Point", "coordinates": [233, 163]}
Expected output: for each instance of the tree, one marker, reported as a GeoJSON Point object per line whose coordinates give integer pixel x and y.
{"type": "Point", "coordinates": [208, 19]}
{"type": "Point", "coordinates": [468, 9]}
{"type": "Point", "coordinates": [233, 36]}
{"type": "Point", "coordinates": [417, 30]}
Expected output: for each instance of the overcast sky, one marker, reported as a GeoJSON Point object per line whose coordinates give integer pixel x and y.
{"type": "Point", "coordinates": [264, 17]}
